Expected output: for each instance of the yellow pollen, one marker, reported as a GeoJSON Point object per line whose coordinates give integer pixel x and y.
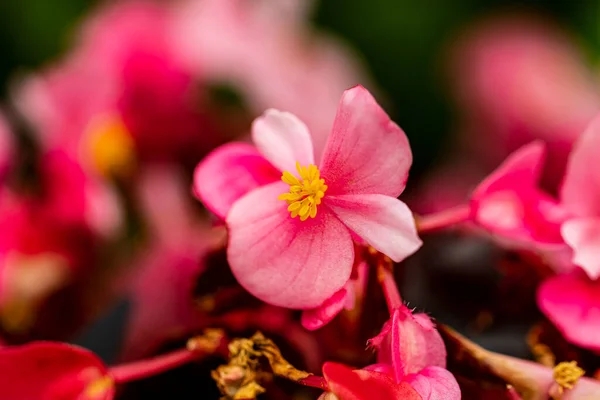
{"type": "Point", "coordinates": [305, 192]}
{"type": "Point", "coordinates": [566, 374]}
{"type": "Point", "coordinates": [98, 387]}
{"type": "Point", "coordinates": [110, 146]}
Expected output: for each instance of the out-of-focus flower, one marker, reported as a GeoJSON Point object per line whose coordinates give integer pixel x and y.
{"type": "Point", "coordinates": [265, 50]}
{"type": "Point", "coordinates": [519, 79]}
{"type": "Point", "coordinates": [572, 302]}
{"type": "Point", "coordinates": [348, 384]}
{"type": "Point", "coordinates": [510, 204]}
{"type": "Point", "coordinates": [53, 371]}
{"type": "Point", "coordinates": [410, 348]}
{"type": "Point", "coordinates": [290, 242]}
{"type": "Point", "coordinates": [580, 195]}
{"type": "Point", "coordinates": [49, 239]}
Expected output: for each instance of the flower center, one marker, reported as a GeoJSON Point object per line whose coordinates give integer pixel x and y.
{"type": "Point", "coordinates": [566, 374]}
{"type": "Point", "coordinates": [305, 193]}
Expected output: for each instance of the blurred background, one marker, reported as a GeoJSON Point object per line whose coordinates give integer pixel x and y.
{"type": "Point", "coordinates": [404, 44]}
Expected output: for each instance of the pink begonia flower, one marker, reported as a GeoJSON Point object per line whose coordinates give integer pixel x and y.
{"type": "Point", "coordinates": [242, 43]}
{"type": "Point", "coordinates": [348, 384]}
{"type": "Point", "coordinates": [519, 79]}
{"type": "Point", "coordinates": [290, 242]}
{"type": "Point", "coordinates": [572, 302]}
{"type": "Point", "coordinates": [510, 205]}
{"type": "Point", "coordinates": [53, 371]}
{"type": "Point", "coordinates": [580, 195]}
{"type": "Point", "coordinates": [410, 344]}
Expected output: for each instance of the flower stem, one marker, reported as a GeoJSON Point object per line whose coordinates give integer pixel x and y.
{"type": "Point", "coordinates": [389, 287]}
{"type": "Point", "coordinates": [443, 219]}
{"type": "Point", "coordinates": [197, 348]}
{"type": "Point", "coordinates": [314, 381]}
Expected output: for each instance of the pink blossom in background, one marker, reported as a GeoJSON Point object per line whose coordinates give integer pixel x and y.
{"type": "Point", "coordinates": [580, 195]}
{"type": "Point", "coordinates": [305, 260]}
{"type": "Point", "coordinates": [517, 79]}
{"type": "Point", "coordinates": [53, 371]}
{"type": "Point", "coordinates": [411, 350]}
{"type": "Point", "coordinates": [510, 204]}
{"type": "Point", "coordinates": [241, 43]}
{"type": "Point", "coordinates": [572, 302]}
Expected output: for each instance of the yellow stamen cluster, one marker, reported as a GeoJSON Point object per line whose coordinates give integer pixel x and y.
{"type": "Point", "coordinates": [566, 374]}
{"type": "Point", "coordinates": [305, 193]}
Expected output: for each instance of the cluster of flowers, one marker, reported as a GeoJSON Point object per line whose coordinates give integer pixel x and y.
{"type": "Point", "coordinates": [299, 170]}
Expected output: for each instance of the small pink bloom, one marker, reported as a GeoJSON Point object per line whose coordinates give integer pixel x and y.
{"type": "Point", "coordinates": [290, 242]}
{"type": "Point", "coordinates": [348, 384]}
{"type": "Point", "coordinates": [53, 371]}
{"type": "Point", "coordinates": [414, 349]}
{"type": "Point", "coordinates": [7, 149]}
{"type": "Point", "coordinates": [580, 195]}
{"type": "Point", "coordinates": [572, 302]}
{"type": "Point", "coordinates": [519, 79]}
{"type": "Point", "coordinates": [509, 203]}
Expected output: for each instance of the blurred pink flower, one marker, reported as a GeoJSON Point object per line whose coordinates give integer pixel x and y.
{"type": "Point", "coordinates": [510, 205]}
{"type": "Point", "coordinates": [53, 371]}
{"type": "Point", "coordinates": [265, 49]}
{"type": "Point", "coordinates": [301, 262]}
{"type": "Point", "coordinates": [412, 351]}
{"type": "Point", "coordinates": [518, 79]}
{"type": "Point", "coordinates": [348, 384]}
{"type": "Point", "coordinates": [580, 195]}
{"type": "Point", "coordinates": [572, 302]}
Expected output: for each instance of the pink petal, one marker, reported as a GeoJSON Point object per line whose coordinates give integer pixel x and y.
{"type": "Point", "coordinates": [282, 260]}
{"type": "Point", "coordinates": [572, 303]}
{"type": "Point", "coordinates": [508, 203]}
{"type": "Point", "coordinates": [230, 172]}
{"type": "Point", "coordinates": [384, 222]}
{"type": "Point", "coordinates": [580, 191]}
{"type": "Point", "coordinates": [318, 317]}
{"type": "Point", "coordinates": [350, 384]}
{"type": "Point", "coordinates": [366, 153]}
{"type": "Point", "coordinates": [435, 383]}
{"type": "Point", "coordinates": [583, 236]}
{"type": "Point", "coordinates": [283, 139]}
{"type": "Point", "coordinates": [415, 344]}
{"type": "Point", "coordinates": [53, 371]}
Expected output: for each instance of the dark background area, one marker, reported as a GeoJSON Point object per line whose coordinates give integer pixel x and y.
{"type": "Point", "coordinates": [403, 43]}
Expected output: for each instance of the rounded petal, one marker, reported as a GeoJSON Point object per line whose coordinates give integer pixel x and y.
{"type": "Point", "coordinates": [53, 371]}
{"type": "Point", "coordinates": [580, 191]}
{"type": "Point", "coordinates": [366, 153]}
{"type": "Point", "coordinates": [435, 383]}
{"type": "Point", "coordinates": [572, 303]}
{"type": "Point", "coordinates": [583, 236]}
{"type": "Point", "coordinates": [230, 172]}
{"type": "Point", "coordinates": [351, 384]}
{"type": "Point", "coordinates": [283, 139]}
{"type": "Point", "coordinates": [282, 260]}
{"type": "Point", "coordinates": [415, 344]}
{"type": "Point", "coordinates": [384, 222]}
{"type": "Point", "coordinates": [318, 317]}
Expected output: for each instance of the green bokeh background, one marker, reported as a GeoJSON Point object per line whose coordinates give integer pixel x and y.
{"type": "Point", "coordinates": [402, 42]}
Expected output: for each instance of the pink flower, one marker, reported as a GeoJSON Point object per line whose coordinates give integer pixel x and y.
{"type": "Point", "coordinates": [7, 150]}
{"type": "Point", "coordinates": [53, 371]}
{"type": "Point", "coordinates": [348, 384]}
{"type": "Point", "coordinates": [510, 205]}
{"type": "Point", "coordinates": [412, 351]}
{"type": "Point", "coordinates": [290, 242]}
{"type": "Point", "coordinates": [572, 302]}
{"type": "Point", "coordinates": [519, 79]}
{"type": "Point", "coordinates": [580, 195]}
